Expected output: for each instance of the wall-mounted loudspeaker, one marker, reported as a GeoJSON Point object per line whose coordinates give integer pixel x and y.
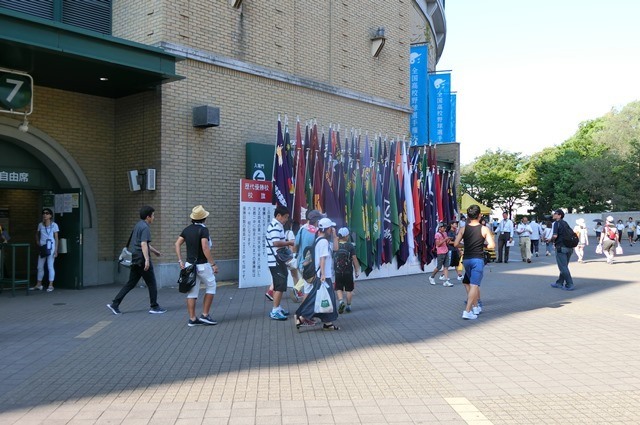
{"type": "Point", "coordinates": [151, 179]}
{"type": "Point", "coordinates": [134, 185]}
{"type": "Point", "coordinates": [206, 116]}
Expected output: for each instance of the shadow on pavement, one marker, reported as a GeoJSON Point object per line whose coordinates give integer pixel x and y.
{"type": "Point", "coordinates": [45, 359]}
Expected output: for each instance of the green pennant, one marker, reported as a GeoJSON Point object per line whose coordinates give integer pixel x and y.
{"type": "Point", "coordinates": [358, 222]}
{"type": "Point", "coordinates": [395, 220]}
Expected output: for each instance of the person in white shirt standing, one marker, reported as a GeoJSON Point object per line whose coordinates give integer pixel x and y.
{"type": "Point", "coordinates": [631, 230]}
{"type": "Point", "coordinates": [505, 237]}
{"type": "Point", "coordinates": [47, 240]}
{"type": "Point", "coordinates": [620, 227]}
{"type": "Point", "coordinates": [524, 232]}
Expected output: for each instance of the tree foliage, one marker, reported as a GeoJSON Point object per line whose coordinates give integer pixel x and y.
{"type": "Point", "coordinates": [496, 179]}
{"type": "Point", "coordinates": [595, 170]}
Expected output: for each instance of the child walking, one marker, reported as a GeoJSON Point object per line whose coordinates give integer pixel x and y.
{"type": "Point", "coordinates": [442, 250]}
{"type": "Point", "coordinates": [345, 262]}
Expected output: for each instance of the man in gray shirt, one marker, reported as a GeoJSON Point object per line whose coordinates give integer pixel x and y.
{"type": "Point", "coordinates": [141, 266]}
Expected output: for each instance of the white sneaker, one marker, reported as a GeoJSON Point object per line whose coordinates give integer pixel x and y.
{"type": "Point", "coordinates": [477, 310]}
{"type": "Point", "coordinates": [459, 277]}
{"type": "Point", "coordinates": [447, 283]}
{"type": "Point", "coordinates": [467, 315]}
{"type": "Point", "coordinates": [441, 277]}
{"type": "Point", "coordinates": [432, 280]}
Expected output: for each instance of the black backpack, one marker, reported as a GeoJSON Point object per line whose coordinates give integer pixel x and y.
{"type": "Point", "coordinates": [342, 260]}
{"type": "Point", "coordinates": [569, 237]}
{"type": "Point", "coordinates": [309, 268]}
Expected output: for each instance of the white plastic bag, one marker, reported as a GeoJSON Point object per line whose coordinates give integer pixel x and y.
{"type": "Point", "coordinates": [599, 249]}
{"type": "Point", "coordinates": [323, 300]}
{"type": "Point", "coordinates": [619, 250]}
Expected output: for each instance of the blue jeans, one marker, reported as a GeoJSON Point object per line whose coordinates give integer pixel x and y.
{"type": "Point", "coordinates": [563, 255]}
{"type": "Point", "coordinates": [549, 247]}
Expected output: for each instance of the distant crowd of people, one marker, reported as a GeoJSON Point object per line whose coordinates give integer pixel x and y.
{"type": "Point", "coordinates": [323, 264]}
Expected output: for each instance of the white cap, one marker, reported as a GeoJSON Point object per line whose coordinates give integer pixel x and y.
{"type": "Point", "coordinates": [580, 222]}
{"type": "Point", "coordinates": [610, 219]}
{"type": "Point", "coordinates": [325, 223]}
{"type": "Point", "coordinates": [343, 232]}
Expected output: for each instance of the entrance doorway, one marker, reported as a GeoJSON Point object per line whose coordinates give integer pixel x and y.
{"type": "Point", "coordinates": [26, 186]}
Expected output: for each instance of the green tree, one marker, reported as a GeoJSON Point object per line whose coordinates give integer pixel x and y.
{"type": "Point", "coordinates": [497, 179]}
{"type": "Point", "coordinates": [595, 170]}
{"type": "Point", "coordinates": [559, 174]}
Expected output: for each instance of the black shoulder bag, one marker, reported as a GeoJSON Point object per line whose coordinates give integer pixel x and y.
{"type": "Point", "coordinates": [188, 276]}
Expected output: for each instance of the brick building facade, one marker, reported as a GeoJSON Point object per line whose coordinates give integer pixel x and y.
{"type": "Point", "coordinates": [301, 58]}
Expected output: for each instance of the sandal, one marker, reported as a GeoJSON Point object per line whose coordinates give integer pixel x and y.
{"type": "Point", "coordinates": [330, 327]}
{"type": "Point", "coordinates": [302, 322]}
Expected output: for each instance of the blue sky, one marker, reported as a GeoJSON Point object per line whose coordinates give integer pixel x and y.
{"type": "Point", "coordinates": [528, 73]}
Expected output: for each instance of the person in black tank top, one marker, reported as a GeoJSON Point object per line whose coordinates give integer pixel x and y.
{"type": "Point", "coordinates": [474, 236]}
{"type": "Point", "coordinates": [473, 242]}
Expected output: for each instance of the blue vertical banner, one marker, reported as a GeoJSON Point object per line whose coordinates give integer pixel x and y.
{"type": "Point", "coordinates": [419, 87]}
{"type": "Point", "coordinates": [452, 119]}
{"type": "Point", "coordinates": [439, 107]}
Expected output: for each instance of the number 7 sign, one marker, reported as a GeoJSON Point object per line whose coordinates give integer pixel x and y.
{"type": "Point", "coordinates": [16, 91]}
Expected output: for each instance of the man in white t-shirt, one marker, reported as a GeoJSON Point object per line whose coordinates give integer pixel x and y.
{"type": "Point", "coordinates": [536, 234]}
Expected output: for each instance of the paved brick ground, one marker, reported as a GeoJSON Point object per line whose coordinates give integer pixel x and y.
{"type": "Point", "coordinates": [536, 355]}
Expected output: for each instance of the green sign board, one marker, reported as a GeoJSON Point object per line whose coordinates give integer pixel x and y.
{"type": "Point", "coordinates": [19, 177]}
{"type": "Point", "coordinates": [15, 90]}
{"type": "Point", "coordinates": [259, 162]}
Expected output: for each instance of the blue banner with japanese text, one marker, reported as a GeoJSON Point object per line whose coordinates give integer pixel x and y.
{"type": "Point", "coordinates": [439, 107]}
{"type": "Point", "coordinates": [419, 80]}
{"type": "Point", "coordinates": [452, 119]}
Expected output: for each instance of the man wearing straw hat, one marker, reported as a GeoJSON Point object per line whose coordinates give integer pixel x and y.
{"type": "Point", "coordinates": [196, 238]}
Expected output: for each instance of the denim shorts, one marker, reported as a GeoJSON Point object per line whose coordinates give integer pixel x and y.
{"type": "Point", "coordinates": [473, 270]}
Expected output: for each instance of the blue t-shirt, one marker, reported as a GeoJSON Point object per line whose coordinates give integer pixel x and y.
{"type": "Point", "coordinates": [304, 238]}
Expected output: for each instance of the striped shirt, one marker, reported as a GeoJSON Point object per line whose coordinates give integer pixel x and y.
{"type": "Point", "coordinates": [275, 232]}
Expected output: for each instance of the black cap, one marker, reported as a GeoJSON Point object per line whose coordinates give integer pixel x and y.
{"type": "Point", "coordinates": [559, 212]}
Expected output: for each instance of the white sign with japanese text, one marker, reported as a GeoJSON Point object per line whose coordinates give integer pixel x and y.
{"type": "Point", "coordinates": [256, 213]}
